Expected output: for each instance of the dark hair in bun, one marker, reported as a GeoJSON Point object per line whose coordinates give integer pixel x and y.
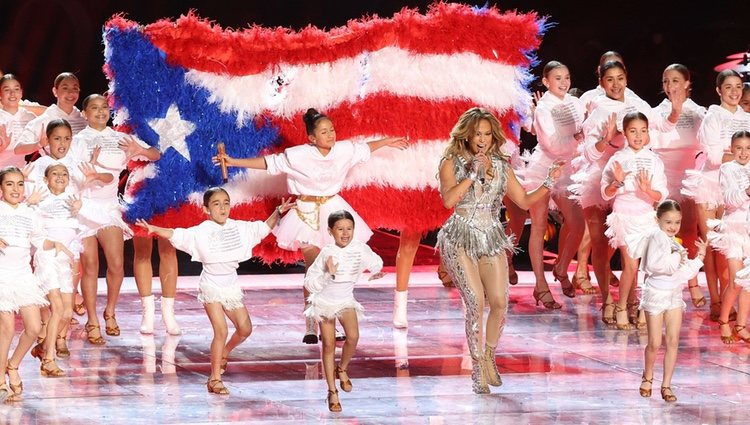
{"type": "Point", "coordinates": [311, 118]}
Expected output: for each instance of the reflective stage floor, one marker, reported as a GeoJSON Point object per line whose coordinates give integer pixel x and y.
{"type": "Point", "coordinates": [560, 366]}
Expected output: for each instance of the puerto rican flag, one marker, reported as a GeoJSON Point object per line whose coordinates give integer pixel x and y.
{"type": "Point", "coordinates": [185, 85]}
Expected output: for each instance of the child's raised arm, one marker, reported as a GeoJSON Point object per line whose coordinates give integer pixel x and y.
{"type": "Point", "coordinates": [164, 232]}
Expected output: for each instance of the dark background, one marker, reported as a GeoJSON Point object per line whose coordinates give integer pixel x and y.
{"type": "Point", "coordinates": [41, 38]}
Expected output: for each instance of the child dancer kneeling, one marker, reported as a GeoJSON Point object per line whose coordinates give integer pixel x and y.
{"type": "Point", "coordinates": [330, 281]}
{"type": "Point", "coordinates": [667, 269]}
{"type": "Point", "coordinates": [221, 243]}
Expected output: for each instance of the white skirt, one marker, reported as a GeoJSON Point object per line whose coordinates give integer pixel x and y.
{"type": "Point", "coordinates": [332, 301]}
{"type": "Point", "coordinates": [656, 301]}
{"type": "Point", "coordinates": [620, 225]}
{"type": "Point", "coordinates": [586, 188]}
{"type": "Point", "coordinates": [19, 290]}
{"type": "Point", "coordinates": [536, 170]}
{"type": "Point", "coordinates": [293, 233]}
{"type": "Point", "coordinates": [222, 289]}
{"type": "Point", "coordinates": [106, 213]}
{"type": "Point", "coordinates": [729, 237]}
{"type": "Point", "coordinates": [703, 188]}
{"type": "Point", "coordinates": [53, 271]}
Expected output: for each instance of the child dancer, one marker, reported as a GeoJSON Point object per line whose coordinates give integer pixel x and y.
{"type": "Point", "coordinates": [634, 177]}
{"type": "Point", "coordinates": [221, 243]}
{"type": "Point", "coordinates": [557, 121]}
{"type": "Point", "coordinates": [603, 138]}
{"type": "Point", "coordinates": [330, 281]}
{"type": "Point", "coordinates": [714, 135]}
{"type": "Point", "coordinates": [66, 89]}
{"type": "Point", "coordinates": [13, 119]}
{"type": "Point", "coordinates": [315, 173]}
{"type": "Point", "coordinates": [20, 228]}
{"type": "Point", "coordinates": [678, 149]}
{"type": "Point", "coordinates": [667, 268]}
{"type": "Point", "coordinates": [109, 151]}
{"type": "Point", "coordinates": [731, 236]}
{"type": "Point", "coordinates": [56, 270]}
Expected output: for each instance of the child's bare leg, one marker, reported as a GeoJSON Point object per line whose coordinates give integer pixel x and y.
{"type": "Point", "coordinates": [673, 322]}
{"type": "Point", "coordinates": [215, 312]}
{"type": "Point", "coordinates": [243, 327]}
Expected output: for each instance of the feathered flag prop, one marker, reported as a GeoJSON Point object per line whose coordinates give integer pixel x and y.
{"type": "Point", "coordinates": [186, 85]}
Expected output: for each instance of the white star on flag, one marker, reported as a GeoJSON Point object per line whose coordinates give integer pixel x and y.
{"type": "Point", "coordinates": [172, 131]}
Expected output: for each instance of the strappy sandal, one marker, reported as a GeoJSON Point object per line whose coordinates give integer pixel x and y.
{"type": "Point", "coordinates": [111, 330]}
{"type": "Point", "coordinates": [668, 395]}
{"type": "Point", "coordinates": [645, 392]}
{"type": "Point", "coordinates": [333, 406]}
{"type": "Point", "coordinates": [51, 372]}
{"type": "Point", "coordinates": [621, 326]}
{"type": "Point", "coordinates": [96, 340]}
{"type": "Point", "coordinates": [16, 388]}
{"type": "Point", "coordinates": [567, 287]}
{"type": "Point", "coordinates": [38, 351]}
{"type": "Point", "coordinates": [726, 339]}
{"type": "Point", "coordinates": [5, 392]}
{"type": "Point", "coordinates": [737, 329]}
{"type": "Point", "coordinates": [344, 381]}
{"type": "Point", "coordinates": [61, 347]}
{"type": "Point", "coordinates": [216, 386]}
{"type": "Point", "coordinates": [608, 320]}
{"type": "Point", "coordinates": [697, 302]}
{"type": "Point", "coordinates": [79, 309]}
{"type": "Point", "coordinates": [584, 285]}
{"type": "Point", "coordinates": [549, 305]}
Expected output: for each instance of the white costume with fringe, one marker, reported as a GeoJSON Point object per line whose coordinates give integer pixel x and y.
{"type": "Point", "coordinates": [330, 294]}
{"type": "Point", "coordinates": [586, 187]}
{"type": "Point", "coordinates": [678, 149]}
{"type": "Point", "coordinates": [33, 130]}
{"type": "Point", "coordinates": [310, 173]}
{"type": "Point", "coordinates": [20, 228]}
{"type": "Point", "coordinates": [667, 269]}
{"type": "Point", "coordinates": [729, 235]}
{"type": "Point", "coordinates": [221, 249]}
{"type": "Point", "coordinates": [14, 125]}
{"type": "Point", "coordinates": [715, 136]}
{"type": "Point", "coordinates": [632, 210]}
{"type": "Point", "coordinates": [111, 160]}
{"type": "Point", "coordinates": [54, 270]}
{"type": "Point", "coordinates": [556, 122]}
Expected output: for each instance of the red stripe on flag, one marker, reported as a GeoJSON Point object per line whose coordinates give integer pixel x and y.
{"type": "Point", "coordinates": [386, 114]}
{"type": "Point", "coordinates": [446, 28]}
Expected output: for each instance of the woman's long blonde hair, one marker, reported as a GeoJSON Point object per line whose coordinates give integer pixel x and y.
{"type": "Point", "coordinates": [466, 127]}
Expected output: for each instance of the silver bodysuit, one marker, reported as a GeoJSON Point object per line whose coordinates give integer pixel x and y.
{"type": "Point", "coordinates": [472, 243]}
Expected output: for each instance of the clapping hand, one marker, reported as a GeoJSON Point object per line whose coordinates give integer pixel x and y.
{"type": "Point", "coordinates": [643, 179]}
{"type": "Point", "coordinates": [331, 266]}
{"type": "Point", "coordinates": [618, 173]}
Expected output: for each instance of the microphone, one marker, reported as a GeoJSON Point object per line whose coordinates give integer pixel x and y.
{"type": "Point", "coordinates": [480, 173]}
{"type": "Point", "coordinates": [222, 151]}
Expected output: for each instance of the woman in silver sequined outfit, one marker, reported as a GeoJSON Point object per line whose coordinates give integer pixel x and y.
{"type": "Point", "coordinates": [474, 177]}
